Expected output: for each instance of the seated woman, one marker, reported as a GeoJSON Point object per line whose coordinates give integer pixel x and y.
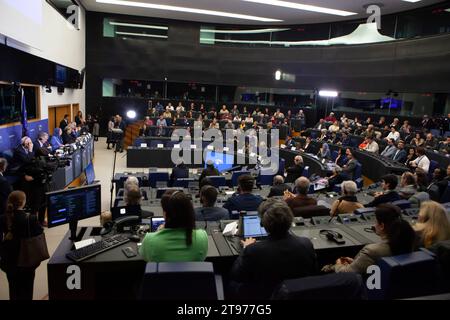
{"type": "Point", "coordinates": [282, 255]}
{"type": "Point", "coordinates": [340, 159]}
{"type": "Point", "coordinates": [397, 237]}
{"type": "Point", "coordinates": [56, 140]}
{"type": "Point", "coordinates": [144, 130]}
{"type": "Point", "coordinates": [177, 239]}
{"type": "Point", "coordinates": [324, 151]}
{"type": "Point", "coordinates": [418, 140]}
{"type": "Point", "coordinates": [408, 190]}
{"type": "Point", "coordinates": [348, 202]}
{"type": "Point", "coordinates": [433, 225]}
{"type": "Point", "coordinates": [67, 137]}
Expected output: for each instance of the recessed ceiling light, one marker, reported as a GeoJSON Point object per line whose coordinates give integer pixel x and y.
{"type": "Point", "coordinates": [411, 0]}
{"type": "Point", "coordinates": [140, 35]}
{"type": "Point", "coordinates": [250, 31]}
{"type": "Point", "coordinates": [188, 10]}
{"type": "Point", "coordinates": [305, 7]}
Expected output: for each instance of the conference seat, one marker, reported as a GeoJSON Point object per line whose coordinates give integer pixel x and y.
{"type": "Point", "coordinates": [358, 172]}
{"type": "Point", "coordinates": [121, 191]}
{"type": "Point", "coordinates": [218, 181]}
{"type": "Point", "coordinates": [181, 281]}
{"type": "Point", "coordinates": [155, 178]}
{"type": "Point", "coordinates": [433, 166]}
{"type": "Point", "coordinates": [183, 182]}
{"type": "Point", "coordinates": [407, 275]}
{"type": "Point", "coordinates": [264, 179]}
{"type": "Point", "coordinates": [442, 252]}
{"type": "Point", "coordinates": [311, 211]}
{"type": "Point", "coordinates": [154, 143]}
{"type": "Point", "coordinates": [335, 286]}
{"type": "Point", "coordinates": [445, 198]}
{"type": "Point", "coordinates": [235, 176]}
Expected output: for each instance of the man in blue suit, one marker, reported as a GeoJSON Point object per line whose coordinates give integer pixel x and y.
{"type": "Point", "coordinates": [400, 154]}
{"type": "Point", "coordinates": [244, 200]}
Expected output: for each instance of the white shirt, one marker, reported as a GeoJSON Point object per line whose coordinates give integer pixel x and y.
{"type": "Point", "coordinates": [372, 147]}
{"type": "Point", "coordinates": [393, 135]}
{"type": "Point", "coordinates": [423, 162]}
{"type": "Point", "coordinates": [180, 108]}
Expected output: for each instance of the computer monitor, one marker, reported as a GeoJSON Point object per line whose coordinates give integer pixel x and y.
{"type": "Point", "coordinates": [251, 225]}
{"type": "Point", "coordinates": [71, 205]}
{"type": "Point", "coordinates": [222, 161]}
{"type": "Point", "coordinates": [90, 174]}
{"type": "Point", "coordinates": [118, 212]}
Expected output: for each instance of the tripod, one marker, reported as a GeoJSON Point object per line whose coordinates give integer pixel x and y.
{"type": "Point", "coordinates": [112, 179]}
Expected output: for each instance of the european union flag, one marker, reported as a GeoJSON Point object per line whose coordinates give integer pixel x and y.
{"type": "Point", "coordinates": [23, 115]}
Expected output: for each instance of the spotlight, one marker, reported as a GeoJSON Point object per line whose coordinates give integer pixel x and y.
{"type": "Point", "coordinates": [278, 75]}
{"type": "Point", "coordinates": [131, 114]}
{"type": "Point", "coordinates": [328, 93]}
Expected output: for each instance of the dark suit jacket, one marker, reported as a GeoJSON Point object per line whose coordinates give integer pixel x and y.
{"type": "Point", "coordinates": [263, 265]}
{"type": "Point", "coordinates": [5, 190]}
{"type": "Point", "coordinates": [21, 158]}
{"type": "Point", "coordinates": [178, 173]}
{"type": "Point", "coordinates": [400, 157]}
{"type": "Point", "coordinates": [278, 190]}
{"type": "Point", "coordinates": [349, 170]}
{"type": "Point", "coordinates": [243, 202]}
{"type": "Point", "coordinates": [293, 173]}
{"type": "Point", "coordinates": [384, 198]}
{"type": "Point", "coordinates": [63, 124]}
{"type": "Point", "coordinates": [211, 214]}
{"type": "Point", "coordinates": [208, 172]}
{"type": "Point", "coordinates": [301, 200]}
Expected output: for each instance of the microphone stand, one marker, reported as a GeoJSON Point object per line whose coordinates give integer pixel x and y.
{"type": "Point", "coordinates": [112, 179]}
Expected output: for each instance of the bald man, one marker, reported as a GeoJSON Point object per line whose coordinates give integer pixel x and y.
{"type": "Point", "coordinates": [279, 187]}
{"type": "Point", "coordinates": [294, 172]}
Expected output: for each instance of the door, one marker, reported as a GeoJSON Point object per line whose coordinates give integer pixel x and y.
{"type": "Point", "coordinates": [55, 115]}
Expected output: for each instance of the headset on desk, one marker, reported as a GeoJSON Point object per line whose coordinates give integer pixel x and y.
{"type": "Point", "coordinates": [333, 236]}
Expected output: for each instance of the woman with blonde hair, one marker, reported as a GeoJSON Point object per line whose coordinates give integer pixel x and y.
{"type": "Point", "coordinates": [433, 225]}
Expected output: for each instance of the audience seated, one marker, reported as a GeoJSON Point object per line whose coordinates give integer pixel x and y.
{"type": "Point", "coordinates": [301, 199]}
{"type": "Point", "coordinates": [295, 171]}
{"type": "Point", "coordinates": [397, 237]}
{"type": "Point", "coordinates": [421, 161]}
{"type": "Point", "coordinates": [208, 211]}
{"type": "Point", "coordinates": [244, 200]}
{"type": "Point", "coordinates": [279, 187]}
{"type": "Point", "coordinates": [408, 190]}
{"type": "Point", "coordinates": [348, 202]}
{"type": "Point", "coordinates": [262, 266]}
{"type": "Point", "coordinates": [433, 225]}
{"type": "Point", "coordinates": [388, 184]}
{"type": "Point", "coordinates": [177, 239]}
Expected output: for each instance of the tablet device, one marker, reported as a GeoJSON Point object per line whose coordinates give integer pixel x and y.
{"type": "Point", "coordinates": [155, 223]}
{"type": "Point", "coordinates": [251, 225]}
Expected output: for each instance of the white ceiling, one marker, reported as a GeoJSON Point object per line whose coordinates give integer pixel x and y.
{"type": "Point", "coordinates": [289, 16]}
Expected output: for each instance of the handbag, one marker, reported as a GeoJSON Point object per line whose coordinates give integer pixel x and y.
{"type": "Point", "coordinates": [33, 250]}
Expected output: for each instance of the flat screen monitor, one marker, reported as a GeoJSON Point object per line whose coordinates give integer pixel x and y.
{"type": "Point", "coordinates": [60, 74]}
{"type": "Point", "coordinates": [222, 161]}
{"type": "Point", "coordinates": [73, 204]}
{"type": "Point", "coordinates": [90, 174]}
{"type": "Point", "coordinates": [252, 227]}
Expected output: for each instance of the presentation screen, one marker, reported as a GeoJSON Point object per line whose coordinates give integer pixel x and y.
{"type": "Point", "coordinates": [222, 161]}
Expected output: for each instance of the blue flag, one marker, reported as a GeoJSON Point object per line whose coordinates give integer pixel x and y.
{"type": "Point", "coordinates": [23, 115]}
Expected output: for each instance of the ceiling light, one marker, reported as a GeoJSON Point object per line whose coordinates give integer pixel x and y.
{"type": "Point", "coordinates": [305, 7]}
{"type": "Point", "coordinates": [411, 0]}
{"type": "Point", "coordinates": [144, 26]}
{"type": "Point", "coordinates": [243, 31]}
{"type": "Point", "coordinates": [328, 93]}
{"type": "Point", "coordinates": [131, 114]}
{"type": "Point", "coordinates": [140, 35]}
{"type": "Point", "coordinates": [277, 75]}
{"type": "Point", "coordinates": [185, 9]}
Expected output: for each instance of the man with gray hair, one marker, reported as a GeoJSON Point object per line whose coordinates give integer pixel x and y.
{"type": "Point", "coordinates": [301, 199]}
{"type": "Point", "coordinates": [296, 171]}
{"type": "Point", "coordinates": [279, 187]}
{"type": "Point", "coordinates": [129, 184]}
{"type": "Point", "coordinates": [5, 187]}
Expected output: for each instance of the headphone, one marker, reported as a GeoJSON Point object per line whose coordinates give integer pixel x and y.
{"type": "Point", "coordinates": [333, 236]}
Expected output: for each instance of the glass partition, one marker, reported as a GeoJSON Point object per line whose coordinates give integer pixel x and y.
{"type": "Point", "coordinates": [118, 28]}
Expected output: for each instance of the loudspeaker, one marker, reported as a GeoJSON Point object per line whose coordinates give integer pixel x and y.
{"type": "Point", "coordinates": [60, 89]}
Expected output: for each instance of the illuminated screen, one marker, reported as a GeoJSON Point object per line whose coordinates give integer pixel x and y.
{"type": "Point", "coordinates": [222, 161]}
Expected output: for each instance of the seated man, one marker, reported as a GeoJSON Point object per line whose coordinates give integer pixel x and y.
{"type": "Point", "coordinates": [388, 183]}
{"type": "Point", "coordinates": [279, 187]}
{"type": "Point", "coordinates": [350, 166]}
{"type": "Point", "coordinates": [400, 153]}
{"type": "Point", "coordinates": [295, 171]}
{"type": "Point", "coordinates": [301, 199]}
{"type": "Point", "coordinates": [208, 211]}
{"type": "Point", "coordinates": [372, 145]}
{"type": "Point", "coordinates": [263, 265]}
{"type": "Point", "coordinates": [244, 200]}
{"type": "Point", "coordinates": [210, 170]}
{"type": "Point", "coordinates": [42, 142]}
{"type": "Point", "coordinates": [390, 149]}
{"type": "Point", "coordinates": [179, 172]}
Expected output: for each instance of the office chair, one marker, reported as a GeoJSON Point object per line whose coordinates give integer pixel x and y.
{"type": "Point", "coordinates": [311, 211]}
{"type": "Point", "coordinates": [358, 171]}
{"type": "Point", "coordinates": [407, 275]}
{"type": "Point", "coordinates": [218, 181]}
{"type": "Point", "coordinates": [183, 182]}
{"type": "Point", "coordinates": [433, 166]}
{"type": "Point", "coordinates": [342, 286]}
{"type": "Point", "coordinates": [236, 175]}
{"type": "Point", "coordinates": [446, 195]}
{"type": "Point", "coordinates": [264, 179]}
{"type": "Point", "coordinates": [181, 281]}
{"type": "Point", "coordinates": [155, 177]}
{"type": "Point", "coordinates": [402, 204]}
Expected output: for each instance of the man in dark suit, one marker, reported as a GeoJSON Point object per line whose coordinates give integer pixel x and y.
{"type": "Point", "coordinates": [42, 143]}
{"type": "Point", "coordinates": [302, 185]}
{"type": "Point", "coordinates": [279, 187]}
{"type": "Point", "coordinates": [208, 211]}
{"type": "Point", "coordinates": [296, 170]}
{"type": "Point", "coordinates": [263, 265]}
{"type": "Point", "coordinates": [23, 154]}
{"type": "Point", "coordinates": [388, 183]}
{"type": "Point", "coordinates": [244, 200]}
{"type": "Point", "coordinates": [350, 167]}
{"type": "Point", "coordinates": [179, 172]}
{"type": "Point", "coordinates": [400, 153]}
{"type": "Point", "coordinates": [64, 122]}
{"type": "Point", "coordinates": [320, 125]}
{"type": "Point", "coordinates": [289, 143]}
{"type": "Point", "coordinates": [210, 170]}
{"type": "Point", "coordinates": [5, 187]}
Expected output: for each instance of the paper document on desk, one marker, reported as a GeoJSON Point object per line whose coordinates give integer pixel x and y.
{"type": "Point", "coordinates": [230, 229]}
{"type": "Point", "coordinates": [84, 243]}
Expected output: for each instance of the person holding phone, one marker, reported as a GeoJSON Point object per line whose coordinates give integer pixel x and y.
{"type": "Point", "coordinates": [176, 239]}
